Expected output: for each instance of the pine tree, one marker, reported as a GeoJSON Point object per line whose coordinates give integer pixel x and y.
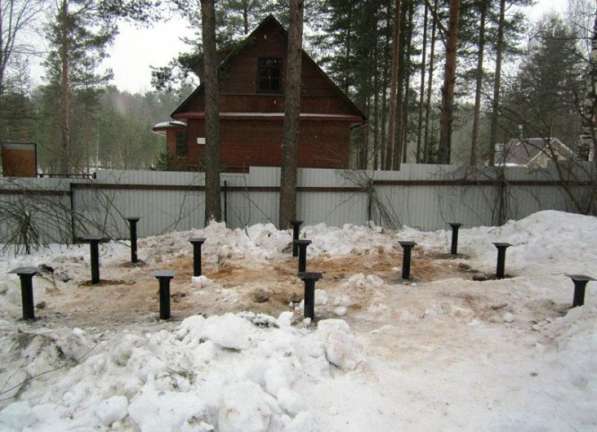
{"type": "Point", "coordinates": [544, 95]}
{"type": "Point", "coordinates": [482, 5]}
{"type": "Point", "coordinates": [394, 77]}
{"type": "Point", "coordinates": [419, 149]}
{"type": "Point", "coordinates": [445, 140]}
{"type": "Point", "coordinates": [427, 146]}
{"type": "Point", "coordinates": [292, 109]}
{"type": "Point", "coordinates": [212, 112]}
{"type": "Point", "coordinates": [78, 36]}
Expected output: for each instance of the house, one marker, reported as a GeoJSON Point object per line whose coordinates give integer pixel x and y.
{"type": "Point", "coordinates": [532, 152]}
{"type": "Point", "coordinates": [252, 110]}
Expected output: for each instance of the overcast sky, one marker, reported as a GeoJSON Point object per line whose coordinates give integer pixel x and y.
{"type": "Point", "coordinates": [136, 49]}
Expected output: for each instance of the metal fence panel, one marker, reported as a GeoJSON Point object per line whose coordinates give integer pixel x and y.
{"type": "Point", "coordinates": [421, 196]}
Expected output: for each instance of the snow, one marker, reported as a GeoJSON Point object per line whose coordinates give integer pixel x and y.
{"type": "Point", "coordinates": [112, 410]}
{"type": "Point", "coordinates": [222, 371]}
{"type": "Point", "coordinates": [549, 241]}
{"type": "Point", "coordinates": [444, 352]}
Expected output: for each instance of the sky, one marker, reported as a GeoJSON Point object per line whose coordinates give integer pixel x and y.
{"type": "Point", "coordinates": [135, 49]}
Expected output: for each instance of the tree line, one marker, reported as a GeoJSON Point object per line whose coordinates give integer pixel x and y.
{"type": "Point", "coordinates": [440, 81]}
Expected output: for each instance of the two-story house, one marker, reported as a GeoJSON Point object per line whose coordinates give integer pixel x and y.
{"type": "Point", "coordinates": [252, 77]}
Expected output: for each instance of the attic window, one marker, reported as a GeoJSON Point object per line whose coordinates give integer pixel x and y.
{"type": "Point", "coordinates": [269, 75]}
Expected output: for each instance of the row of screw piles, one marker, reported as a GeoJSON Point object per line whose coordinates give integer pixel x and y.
{"type": "Point", "coordinates": [164, 277]}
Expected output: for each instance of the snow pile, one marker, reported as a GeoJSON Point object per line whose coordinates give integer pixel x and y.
{"type": "Point", "coordinates": [548, 241]}
{"type": "Point", "coordinates": [349, 239]}
{"type": "Point", "coordinates": [259, 241]}
{"type": "Point", "coordinates": [222, 373]}
{"type": "Point", "coordinates": [575, 335]}
{"type": "Point", "coordinates": [65, 261]}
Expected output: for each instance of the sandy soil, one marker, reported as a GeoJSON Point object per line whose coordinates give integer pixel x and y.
{"type": "Point", "coordinates": [129, 294]}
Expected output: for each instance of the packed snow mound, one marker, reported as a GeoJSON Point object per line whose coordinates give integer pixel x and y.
{"type": "Point", "coordinates": [347, 240]}
{"type": "Point", "coordinates": [545, 242]}
{"type": "Point", "coordinates": [575, 335]}
{"type": "Point", "coordinates": [265, 241]}
{"type": "Point", "coordinates": [259, 241]}
{"type": "Point", "coordinates": [221, 373]}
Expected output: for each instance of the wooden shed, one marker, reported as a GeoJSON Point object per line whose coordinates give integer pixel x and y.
{"type": "Point", "coordinates": [252, 76]}
{"type": "Point", "coordinates": [19, 159]}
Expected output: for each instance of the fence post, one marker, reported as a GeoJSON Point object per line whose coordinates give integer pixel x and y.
{"type": "Point", "coordinates": [226, 202]}
{"type": "Point", "coordinates": [369, 200]}
{"type": "Point", "coordinates": [72, 211]}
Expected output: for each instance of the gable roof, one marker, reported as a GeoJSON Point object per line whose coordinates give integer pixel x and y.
{"type": "Point", "coordinates": [233, 51]}
{"type": "Point", "coordinates": [524, 152]}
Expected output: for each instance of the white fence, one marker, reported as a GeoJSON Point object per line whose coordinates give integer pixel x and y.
{"type": "Point", "coordinates": [422, 196]}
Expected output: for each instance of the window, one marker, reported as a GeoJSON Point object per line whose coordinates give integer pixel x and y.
{"type": "Point", "coordinates": [269, 75]}
{"type": "Point", "coordinates": [181, 144]}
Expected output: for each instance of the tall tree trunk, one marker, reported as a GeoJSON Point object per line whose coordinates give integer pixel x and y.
{"type": "Point", "coordinates": [397, 145]}
{"type": "Point", "coordinates": [375, 107]}
{"type": "Point", "coordinates": [212, 113]}
{"type": "Point", "coordinates": [426, 142]}
{"type": "Point", "coordinates": [479, 84]}
{"type": "Point", "coordinates": [347, 53]}
{"type": "Point", "coordinates": [422, 86]}
{"type": "Point", "coordinates": [593, 93]}
{"type": "Point", "coordinates": [407, 71]}
{"type": "Point", "coordinates": [497, 84]}
{"type": "Point", "coordinates": [65, 120]}
{"type": "Point", "coordinates": [292, 109]}
{"type": "Point", "coordinates": [246, 16]}
{"type": "Point", "coordinates": [394, 86]}
{"type": "Point", "coordinates": [445, 135]}
{"type": "Point", "coordinates": [384, 109]}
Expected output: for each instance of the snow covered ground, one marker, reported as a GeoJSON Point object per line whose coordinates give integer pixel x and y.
{"type": "Point", "coordinates": [443, 352]}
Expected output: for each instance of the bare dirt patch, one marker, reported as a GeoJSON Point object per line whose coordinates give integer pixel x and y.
{"type": "Point", "coordinates": [269, 287]}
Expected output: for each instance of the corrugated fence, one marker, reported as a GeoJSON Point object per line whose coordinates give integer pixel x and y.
{"type": "Point", "coordinates": [421, 196]}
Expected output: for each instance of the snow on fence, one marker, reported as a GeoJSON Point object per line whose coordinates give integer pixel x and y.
{"type": "Point", "coordinates": [421, 196]}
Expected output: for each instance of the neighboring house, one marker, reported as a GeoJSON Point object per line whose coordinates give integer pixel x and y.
{"type": "Point", "coordinates": [252, 110]}
{"type": "Point", "coordinates": [532, 152]}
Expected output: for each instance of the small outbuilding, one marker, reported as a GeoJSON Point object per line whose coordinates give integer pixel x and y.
{"type": "Point", "coordinates": [19, 159]}
{"type": "Point", "coordinates": [252, 78]}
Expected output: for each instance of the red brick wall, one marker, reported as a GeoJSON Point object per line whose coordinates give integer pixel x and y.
{"type": "Point", "coordinates": [324, 143]}
{"type": "Point", "coordinates": [258, 142]}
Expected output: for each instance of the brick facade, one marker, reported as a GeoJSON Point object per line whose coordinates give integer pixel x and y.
{"type": "Point", "coordinates": [251, 122]}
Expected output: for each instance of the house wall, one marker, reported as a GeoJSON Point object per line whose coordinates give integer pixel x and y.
{"type": "Point", "coordinates": [324, 141]}
{"type": "Point", "coordinates": [238, 82]}
{"type": "Point", "coordinates": [258, 142]}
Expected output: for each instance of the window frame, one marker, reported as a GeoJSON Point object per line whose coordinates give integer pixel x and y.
{"type": "Point", "coordinates": [179, 146]}
{"type": "Point", "coordinates": [262, 66]}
